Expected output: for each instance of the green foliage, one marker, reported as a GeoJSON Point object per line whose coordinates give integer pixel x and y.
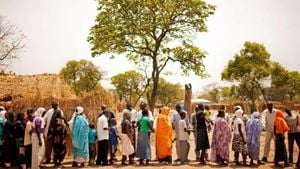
{"type": "Point", "coordinates": [249, 68]}
{"type": "Point", "coordinates": [169, 93]}
{"type": "Point", "coordinates": [129, 85]}
{"type": "Point", "coordinates": [153, 32]}
{"type": "Point", "coordinates": [82, 76]}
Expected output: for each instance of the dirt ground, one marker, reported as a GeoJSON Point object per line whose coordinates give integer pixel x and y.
{"type": "Point", "coordinates": [192, 163]}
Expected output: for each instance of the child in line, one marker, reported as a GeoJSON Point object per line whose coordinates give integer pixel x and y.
{"type": "Point", "coordinates": [92, 143]}
{"type": "Point", "coordinates": [113, 140]}
{"type": "Point", "coordinates": [183, 139]}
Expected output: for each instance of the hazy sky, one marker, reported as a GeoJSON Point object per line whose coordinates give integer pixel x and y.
{"type": "Point", "coordinates": [57, 30]}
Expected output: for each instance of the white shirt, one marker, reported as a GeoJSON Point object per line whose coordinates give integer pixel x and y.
{"type": "Point", "coordinates": [101, 124]}
{"type": "Point", "coordinates": [175, 118]}
{"type": "Point", "coordinates": [27, 136]}
{"type": "Point", "coordinates": [139, 115]}
{"type": "Point", "coordinates": [132, 114]}
{"type": "Point", "coordinates": [269, 119]}
{"type": "Point", "coordinates": [48, 117]}
{"type": "Point", "coordinates": [182, 136]}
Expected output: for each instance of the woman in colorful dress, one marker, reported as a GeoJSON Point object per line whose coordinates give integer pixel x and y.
{"type": "Point", "coordinates": [127, 138]}
{"type": "Point", "coordinates": [253, 129]}
{"type": "Point", "coordinates": [239, 137]}
{"type": "Point", "coordinates": [220, 140]}
{"type": "Point", "coordinates": [164, 136]}
{"type": "Point", "coordinates": [143, 149]}
{"type": "Point", "coordinates": [80, 139]}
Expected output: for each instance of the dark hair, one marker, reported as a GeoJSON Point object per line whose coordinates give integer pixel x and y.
{"type": "Point", "coordinates": [200, 106]}
{"type": "Point", "coordinates": [288, 111]}
{"type": "Point", "coordinates": [182, 114]}
{"type": "Point", "coordinates": [145, 112]}
{"type": "Point", "coordinates": [92, 125]}
{"type": "Point", "coordinates": [29, 111]}
{"type": "Point", "coordinates": [113, 120]}
{"type": "Point", "coordinates": [20, 116]}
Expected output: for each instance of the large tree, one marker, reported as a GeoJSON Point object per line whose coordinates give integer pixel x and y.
{"type": "Point", "coordinates": [12, 41]}
{"type": "Point", "coordinates": [82, 75]}
{"type": "Point", "coordinates": [152, 33]}
{"type": "Point", "coordinates": [250, 67]}
{"type": "Point", "coordinates": [130, 86]}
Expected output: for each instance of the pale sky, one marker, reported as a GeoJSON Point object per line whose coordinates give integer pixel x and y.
{"type": "Point", "coordinates": [57, 30]}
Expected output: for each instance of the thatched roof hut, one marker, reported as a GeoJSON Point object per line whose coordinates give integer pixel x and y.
{"type": "Point", "coordinates": [19, 92]}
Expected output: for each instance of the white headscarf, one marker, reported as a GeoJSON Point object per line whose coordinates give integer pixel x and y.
{"type": "Point", "coordinates": [78, 110]}
{"type": "Point", "coordinates": [39, 112]}
{"type": "Point", "coordinates": [38, 115]}
{"type": "Point", "coordinates": [239, 113]}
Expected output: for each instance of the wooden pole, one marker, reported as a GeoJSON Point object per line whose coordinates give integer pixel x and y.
{"type": "Point", "coordinates": [188, 100]}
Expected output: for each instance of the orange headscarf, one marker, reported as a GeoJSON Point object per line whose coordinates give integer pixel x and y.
{"type": "Point", "coordinates": [164, 134]}
{"type": "Point", "coordinates": [280, 123]}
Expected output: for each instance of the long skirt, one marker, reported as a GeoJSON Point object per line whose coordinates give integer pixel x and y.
{"type": "Point", "coordinates": [38, 151]}
{"type": "Point", "coordinates": [127, 147]}
{"type": "Point", "coordinates": [238, 144]}
{"type": "Point", "coordinates": [253, 150]}
{"type": "Point", "coordinates": [280, 149]}
{"type": "Point", "coordinates": [202, 140]}
{"type": "Point", "coordinates": [143, 149]}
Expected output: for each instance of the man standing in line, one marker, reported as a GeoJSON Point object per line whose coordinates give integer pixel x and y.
{"type": "Point", "coordinates": [270, 114]}
{"type": "Point", "coordinates": [103, 136]}
{"type": "Point", "coordinates": [175, 122]}
{"type": "Point", "coordinates": [47, 118]}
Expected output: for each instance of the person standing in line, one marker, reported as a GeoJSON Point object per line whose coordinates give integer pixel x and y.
{"type": "Point", "coordinates": [57, 134]}
{"type": "Point", "coordinates": [80, 138]}
{"type": "Point", "coordinates": [293, 134]}
{"type": "Point", "coordinates": [47, 118]}
{"type": "Point", "coordinates": [270, 114]}
{"type": "Point", "coordinates": [239, 138]}
{"type": "Point", "coordinates": [164, 135]}
{"type": "Point", "coordinates": [183, 138]}
{"type": "Point", "coordinates": [103, 136]}
{"type": "Point", "coordinates": [280, 128]}
{"type": "Point", "coordinates": [127, 138]}
{"type": "Point", "coordinates": [92, 143]}
{"type": "Point", "coordinates": [37, 138]}
{"type": "Point", "coordinates": [194, 124]}
{"type": "Point", "coordinates": [19, 135]}
{"type": "Point", "coordinates": [113, 140]}
{"type": "Point", "coordinates": [220, 140]}
{"type": "Point", "coordinates": [175, 118]}
{"type": "Point", "coordinates": [202, 136]}
{"type": "Point", "coordinates": [253, 129]}
{"type": "Point", "coordinates": [143, 149]}
{"type": "Point", "coordinates": [27, 138]}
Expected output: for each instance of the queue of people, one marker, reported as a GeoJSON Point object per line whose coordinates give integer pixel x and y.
{"type": "Point", "coordinates": [39, 137]}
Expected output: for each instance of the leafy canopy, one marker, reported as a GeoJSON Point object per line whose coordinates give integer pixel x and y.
{"type": "Point", "coordinates": [82, 75]}
{"type": "Point", "coordinates": [153, 32]}
{"type": "Point", "coordinates": [249, 67]}
{"type": "Point", "coordinates": [129, 85]}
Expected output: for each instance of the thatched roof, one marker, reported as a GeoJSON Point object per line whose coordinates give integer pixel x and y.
{"type": "Point", "coordinates": [34, 90]}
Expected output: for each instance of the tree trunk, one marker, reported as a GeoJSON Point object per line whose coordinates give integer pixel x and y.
{"type": "Point", "coordinates": [155, 80]}
{"type": "Point", "coordinates": [188, 100]}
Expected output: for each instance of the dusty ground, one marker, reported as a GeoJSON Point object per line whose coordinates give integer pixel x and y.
{"type": "Point", "coordinates": [192, 163]}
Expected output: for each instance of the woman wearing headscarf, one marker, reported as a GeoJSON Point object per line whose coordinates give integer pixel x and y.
{"type": "Point", "coordinates": [57, 134]}
{"type": "Point", "coordinates": [80, 137]}
{"type": "Point", "coordinates": [280, 128]}
{"type": "Point", "coordinates": [164, 136]}
{"type": "Point", "coordinates": [239, 137]}
{"type": "Point", "coordinates": [220, 140]}
{"type": "Point", "coordinates": [127, 138]}
{"type": "Point", "coordinates": [253, 130]}
{"type": "Point", "coordinates": [37, 138]}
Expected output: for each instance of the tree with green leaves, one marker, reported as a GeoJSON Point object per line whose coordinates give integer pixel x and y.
{"type": "Point", "coordinates": [169, 93]}
{"type": "Point", "coordinates": [250, 67]}
{"type": "Point", "coordinates": [130, 86]}
{"type": "Point", "coordinates": [82, 75]}
{"type": "Point", "coordinates": [152, 33]}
